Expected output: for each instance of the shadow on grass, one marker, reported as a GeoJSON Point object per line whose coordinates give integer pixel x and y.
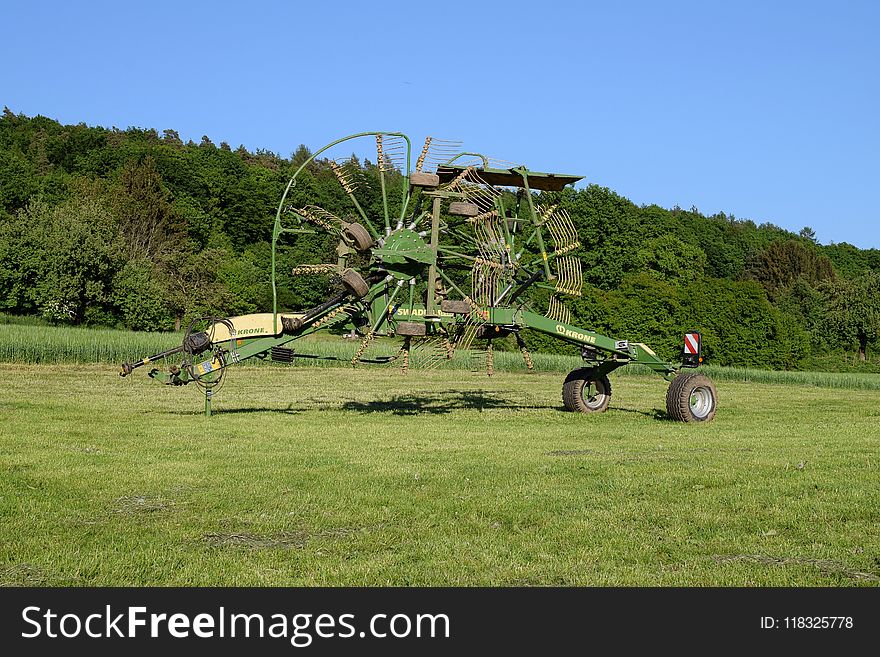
{"type": "Point", "coordinates": [655, 414]}
{"type": "Point", "coordinates": [453, 400]}
{"type": "Point", "coordinates": [412, 404]}
{"type": "Point", "coordinates": [403, 405]}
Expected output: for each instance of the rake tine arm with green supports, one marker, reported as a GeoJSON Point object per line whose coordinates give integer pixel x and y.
{"type": "Point", "coordinates": [439, 249]}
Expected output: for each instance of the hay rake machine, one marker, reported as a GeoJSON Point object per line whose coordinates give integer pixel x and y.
{"type": "Point", "coordinates": [439, 253]}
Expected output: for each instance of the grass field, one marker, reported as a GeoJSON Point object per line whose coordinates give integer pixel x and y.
{"type": "Point", "coordinates": [313, 476]}
{"type": "Point", "coordinates": [27, 343]}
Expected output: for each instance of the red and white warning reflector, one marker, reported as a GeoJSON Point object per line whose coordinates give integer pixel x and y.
{"type": "Point", "coordinates": [690, 354]}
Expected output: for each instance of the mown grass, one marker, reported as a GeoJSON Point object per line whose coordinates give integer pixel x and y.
{"type": "Point", "coordinates": [31, 344]}
{"type": "Point", "coordinates": [308, 476]}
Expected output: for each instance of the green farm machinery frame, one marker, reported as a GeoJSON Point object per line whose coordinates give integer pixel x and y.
{"type": "Point", "coordinates": [438, 252]}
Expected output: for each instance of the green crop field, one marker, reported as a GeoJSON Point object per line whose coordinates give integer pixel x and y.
{"type": "Point", "coordinates": [341, 476]}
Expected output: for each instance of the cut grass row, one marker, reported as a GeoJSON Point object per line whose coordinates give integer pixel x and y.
{"type": "Point", "coordinates": [24, 344]}
{"type": "Point", "coordinates": [341, 477]}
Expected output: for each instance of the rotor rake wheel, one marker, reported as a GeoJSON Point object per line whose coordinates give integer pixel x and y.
{"type": "Point", "coordinates": [396, 226]}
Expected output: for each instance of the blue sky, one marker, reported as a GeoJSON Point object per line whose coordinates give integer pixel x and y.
{"type": "Point", "coordinates": [764, 110]}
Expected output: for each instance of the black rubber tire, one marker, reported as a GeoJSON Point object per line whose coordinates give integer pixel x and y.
{"type": "Point", "coordinates": [455, 307]}
{"type": "Point", "coordinates": [576, 384]}
{"type": "Point", "coordinates": [412, 329]}
{"type": "Point", "coordinates": [463, 209]}
{"type": "Point", "coordinates": [691, 397]}
{"type": "Point", "coordinates": [359, 237]}
{"type": "Point", "coordinates": [420, 179]}
{"type": "Point", "coordinates": [355, 283]}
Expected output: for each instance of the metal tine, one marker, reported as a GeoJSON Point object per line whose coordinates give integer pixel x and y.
{"type": "Point", "coordinates": [488, 288]}
{"type": "Point", "coordinates": [561, 235]}
{"type": "Point", "coordinates": [557, 233]}
{"type": "Point", "coordinates": [489, 285]}
{"type": "Point", "coordinates": [348, 162]}
{"type": "Point", "coordinates": [321, 217]}
{"type": "Point", "coordinates": [561, 275]}
{"type": "Point", "coordinates": [432, 362]}
{"type": "Point", "coordinates": [428, 353]}
{"type": "Point", "coordinates": [491, 247]}
{"type": "Point", "coordinates": [348, 175]}
{"type": "Point", "coordinates": [470, 161]}
{"type": "Point", "coordinates": [491, 220]}
{"type": "Point", "coordinates": [477, 273]}
{"type": "Point", "coordinates": [484, 282]}
{"type": "Point", "coordinates": [570, 278]}
{"type": "Point", "coordinates": [436, 152]}
{"type": "Point", "coordinates": [458, 181]}
{"type": "Point", "coordinates": [558, 310]}
{"type": "Point", "coordinates": [395, 153]}
{"type": "Point", "coordinates": [314, 270]}
{"type": "Point", "coordinates": [544, 213]}
{"type": "Point", "coordinates": [497, 163]}
{"type": "Point", "coordinates": [567, 234]}
{"type": "Point", "coordinates": [570, 227]}
{"type": "Point", "coordinates": [480, 197]}
{"type": "Point", "coordinates": [390, 153]}
{"type": "Point", "coordinates": [394, 142]}
{"type": "Point", "coordinates": [493, 239]}
{"type": "Point", "coordinates": [479, 191]}
{"type": "Point", "coordinates": [442, 155]}
{"type": "Point", "coordinates": [563, 311]}
{"type": "Point", "coordinates": [436, 159]}
{"type": "Point", "coordinates": [465, 336]}
{"type": "Point", "coordinates": [552, 228]}
{"type": "Point", "coordinates": [487, 240]}
{"type": "Point", "coordinates": [484, 217]}
{"type": "Point", "coordinates": [490, 239]}
{"type": "Point", "coordinates": [474, 176]}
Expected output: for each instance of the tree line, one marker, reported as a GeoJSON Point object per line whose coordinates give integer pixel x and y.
{"type": "Point", "coordinates": [133, 228]}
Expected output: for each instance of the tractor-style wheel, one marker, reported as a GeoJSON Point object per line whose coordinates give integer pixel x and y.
{"type": "Point", "coordinates": [691, 398]}
{"type": "Point", "coordinates": [463, 209]}
{"type": "Point", "coordinates": [455, 307]}
{"type": "Point", "coordinates": [411, 329]}
{"type": "Point", "coordinates": [584, 392]}
{"type": "Point", "coordinates": [359, 237]}
{"type": "Point", "coordinates": [355, 283]}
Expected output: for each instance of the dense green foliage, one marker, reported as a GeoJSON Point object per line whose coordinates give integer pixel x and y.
{"type": "Point", "coordinates": [135, 229]}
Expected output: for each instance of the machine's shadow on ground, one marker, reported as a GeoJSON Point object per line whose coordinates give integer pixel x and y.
{"type": "Point", "coordinates": [413, 404]}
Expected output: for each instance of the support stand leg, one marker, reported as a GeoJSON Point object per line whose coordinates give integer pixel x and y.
{"type": "Point", "coordinates": [527, 357]}
{"type": "Point", "coordinates": [490, 358]}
